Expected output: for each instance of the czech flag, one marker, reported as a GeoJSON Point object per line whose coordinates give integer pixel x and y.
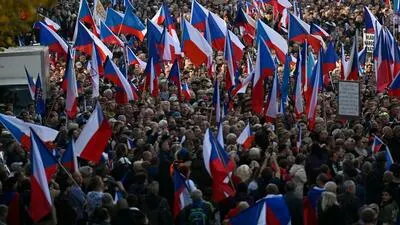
{"type": "Point", "coordinates": [299, 31]}
{"type": "Point", "coordinates": [298, 89]}
{"type": "Point", "coordinates": [271, 209]}
{"type": "Point", "coordinates": [217, 101]}
{"type": "Point", "coordinates": [40, 201]}
{"type": "Point", "coordinates": [51, 24]}
{"type": "Point", "coordinates": [265, 67]}
{"type": "Point", "coordinates": [353, 65]}
{"type": "Point", "coordinates": [114, 20]}
{"type": "Point", "coordinates": [85, 16]}
{"type": "Point", "coordinates": [242, 86]}
{"type": "Point", "coordinates": [151, 79]}
{"type": "Point", "coordinates": [329, 58]}
{"type": "Point", "coordinates": [131, 25]}
{"type": "Point", "coordinates": [198, 16]}
{"type": "Point", "coordinates": [247, 26]}
{"type": "Point", "coordinates": [217, 31]}
{"type": "Point", "coordinates": [273, 40]}
{"type": "Point", "coordinates": [163, 17]}
{"type": "Point", "coordinates": [246, 138]}
{"type": "Point", "coordinates": [154, 33]}
{"type": "Point", "coordinates": [108, 37]}
{"type": "Point", "coordinates": [94, 136]}
{"type": "Point", "coordinates": [70, 86]}
{"type": "Point", "coordinates": [50, 38]}
{"type": "Point", "coordinates": [186, 91]}
{"type": "Point", "coordinates": [174, 77]}
{"type": "Point", "coordinates": [96, 69]}
{"type": "Point", "coordinates": [167, 47]}
{"type": "Point", "coordinates": [133, 59]}
{"type": "Point", "coordinates": [377, 144]}
{"type": "Point", "coordinates": [84, 43]}
{"type": "Point", "coordinates": [230, 75]}
{"type": "Point", "coordinates": [272, 106]}
{"type": "Point", "coordinates": [40, 101]}
{"type": "Point", "coordinates": [317, 30]}
{"type": "Point", "coordinates": [395, 54]}
{"type": "Point", "coordinates": [195, 46]}
{"type": "Point", "coordinates": [394, 87]}
{"type": "Point", "coordinates": [215, 167]}
{"type": "Point", "coordinates": [285, 84]}
{"type": "Point", "coordinates": [310, 205]}
{"type": "Point", "coordinates": [112, 73]}
{"type": "Point", "coordinates": [372, 24]}
{"type": "Point", "coordinates": [49, 161]}
{"type": "Point", "coordinates": [227, 161]}
{"type": "Point", "coordinates": [383, 59]}
{"type": "Point", "coordinates": [389, 159]}
{"type": "Point", "coordinates": [20, 130]}
{"type": "Point", "coordinates": [31, 84]}
{"type": "Point", "coordinates": [68, 159]}
{"type": "Point", "coordinates": [179, 189]}
{"type": "Point", "coordinates": [312, 95]}
{"type": "Point", "coordinates": [362, 56]}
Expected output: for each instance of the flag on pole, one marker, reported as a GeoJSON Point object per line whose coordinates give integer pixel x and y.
{"type": "Point", "coordinates": [94, 136]}
{"type": "Point", "coordinates": [20, 130]}
{"type": "Point", "coordinates": [40, 201]}
{"type": "Point", "coordinates": [31, 84]}
{"type": "Point", "coordinates": [70, 86]}
{"type": "Point", "coordinates": [246, 138]}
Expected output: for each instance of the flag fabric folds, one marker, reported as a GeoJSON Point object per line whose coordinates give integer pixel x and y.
{"type": "Point", "coordinates": [265, 67]}
{"type": "Point", "coordinates": [271, 209]}
{"type": "Point", "coordinates": [68, 158]}
{"type": "Point", "coordinates": [20, 130]}
{"type": "Point", "coordinates": [179, 188]}
{"type": "Point", "coordinates": [194, 45]}
{"type": "Point", "coordinates": [246, 138]}
{"type": "Point", "coordinates": [273, 40]}
{"type": "Point", "coordinates": [108, 37]}
{"type": "Point", "coordinates": [70, 86]}
{"type": "Point", "coordinates": [112, 73]}
{"type": "Point", "coordinates": [94, 136]}
{"type": "Point", "coordinates": [40, 101]}
{"type": "Point", "coordinates": [220, 173]}
{"type": "Point", "coordinates": [40, 201]}
{"type": "Point", "coordinates": [151, 81]}
{"type": "Point", "coordinates": [133, 59]}
{"type": "Point", "coordinates": [376, 144]}
{"type": "Point", "coordinates": [174, 77]}
{"type": "Point", "coordinates": [131, 25]}
{"type": "Point", "coordinates": [198, 16]}
{"type": "Point", "coordinates": [50, 38]}
{"type": "Point", "coordinates": [31, 84]}
{"type": "Point", "coordinates": [114, 20]}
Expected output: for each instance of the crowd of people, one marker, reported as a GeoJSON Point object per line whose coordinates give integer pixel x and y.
{"type": "Point", "coordinates": [133, 185]}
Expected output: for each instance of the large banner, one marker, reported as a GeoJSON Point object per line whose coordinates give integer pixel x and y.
{"type": "Point", "coordinates": [368, 41]}
{"type": "Point", "coordinates": [349, 99]}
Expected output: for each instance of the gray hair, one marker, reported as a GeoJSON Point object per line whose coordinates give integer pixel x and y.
{"type": "Point", "coordinates": [328, 200]}
{"type": "Point", "coordinates": [331, 187]}
{"type": "Point", "coordinates": [196, 194]}
{"type": "Point", "coordinates": [349, 184]}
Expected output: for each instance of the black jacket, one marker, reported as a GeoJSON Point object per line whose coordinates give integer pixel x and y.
{"type": "Point", "coordinates": [331, 216]}
{"type": "Point", "coordinates": [350, 205]}
{"type": "Point", "coordinates": [295, 206]}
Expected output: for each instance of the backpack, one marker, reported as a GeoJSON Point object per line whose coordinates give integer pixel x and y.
{"type": "Point", "coordinates": [197, 215]}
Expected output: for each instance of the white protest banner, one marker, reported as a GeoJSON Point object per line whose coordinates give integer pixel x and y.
{"type": "Point", "coordinates": [368, 41]}
{"type": "Point", "coordinates": [349, 99]}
